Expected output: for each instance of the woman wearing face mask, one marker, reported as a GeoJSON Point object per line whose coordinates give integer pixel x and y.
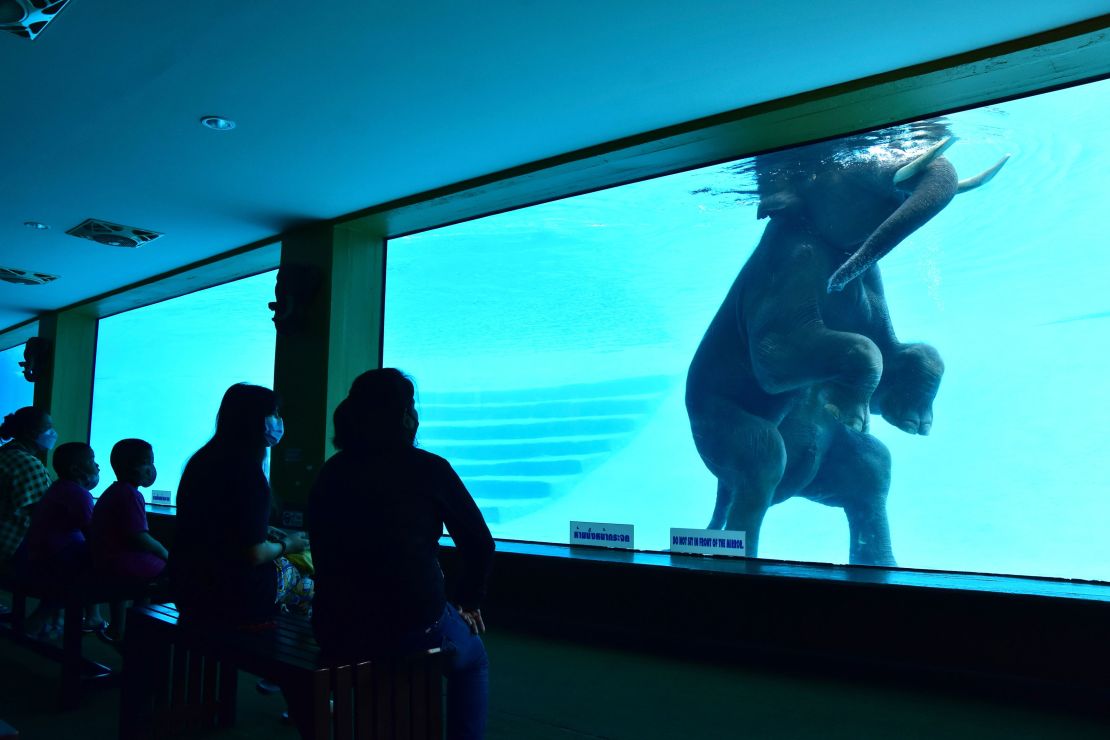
{"type": "Point", "coordinates": [227, 567]}
{"type": "Point", "coordinates": [23, 477]}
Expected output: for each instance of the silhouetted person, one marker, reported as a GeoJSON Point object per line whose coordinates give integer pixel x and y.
{"type": "Point", "coordinates": [124, 552]}
{"type": "Point", "coordinates": [376, 513]}
{"type": "Point", "coordinates": [23, 476]}
{"type": "Point", "coordinates": [222, 565]}
{"type": "Point", "coordinates": [57, 550]}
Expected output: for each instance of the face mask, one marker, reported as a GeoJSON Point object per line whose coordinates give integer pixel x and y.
{"type": "Point", "coordinates": [275, 430]}
{"type": "Point", "coordinates": [47, 439]}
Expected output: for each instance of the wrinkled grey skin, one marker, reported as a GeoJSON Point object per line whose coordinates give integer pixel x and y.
{"type": "Point", "coordinates": [802, 350]}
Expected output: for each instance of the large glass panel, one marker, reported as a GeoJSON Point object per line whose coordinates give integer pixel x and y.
{"type": "Point", "coordinates": [15, 391]}
{"type": "Point", "coordinates": [161, 370]}
{"type": "Point", "coordinates": [551, 348]}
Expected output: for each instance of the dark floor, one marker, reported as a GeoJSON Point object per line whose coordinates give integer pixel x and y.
{"type": "Point", "coordinates": [559, 691]}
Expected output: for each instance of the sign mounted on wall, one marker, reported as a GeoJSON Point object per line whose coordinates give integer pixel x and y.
{"type": "Point", "coordinates": [708, 541]}
{"type": "Point", "coordinates": [600, 534]}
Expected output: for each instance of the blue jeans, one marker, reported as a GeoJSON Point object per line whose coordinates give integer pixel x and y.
{"type": "Point", "coordinates": [467, 670]}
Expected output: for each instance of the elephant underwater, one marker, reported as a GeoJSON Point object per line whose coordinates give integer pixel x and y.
{"type": "Point", "coordinates": [802, 351]}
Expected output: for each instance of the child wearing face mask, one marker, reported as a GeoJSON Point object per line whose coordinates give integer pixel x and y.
{"type": "Point", "coordinates": [56, 549]}
{"type": "Point", "coordinates": [123, 550]}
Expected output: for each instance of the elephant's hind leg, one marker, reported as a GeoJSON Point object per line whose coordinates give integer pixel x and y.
{"type": "Point", "coordinates": [747, 455]}
{"type": "Point", "coordinates": [855, 475]}
{"type": "Point", "coordinates": [869, 533]}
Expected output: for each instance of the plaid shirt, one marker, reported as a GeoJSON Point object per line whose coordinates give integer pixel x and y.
{"type": "Point", "coordinates": [23, 481]}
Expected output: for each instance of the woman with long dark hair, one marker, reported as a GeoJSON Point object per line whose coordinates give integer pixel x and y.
{"type": "Point", "coordinates": [376, 513]}
{"type": "Point", "coordinates": [226, 565]}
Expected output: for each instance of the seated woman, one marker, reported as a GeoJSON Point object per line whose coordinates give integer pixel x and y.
{"type": "Point", "coordinates": [224, 569]}
{"type": "Point", "coordinates": [23, 477]}
{"type": "Point", "coordinates": [376, 513]}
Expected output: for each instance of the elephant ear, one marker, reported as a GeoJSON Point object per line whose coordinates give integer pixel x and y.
{"type": "Point", "coordinates": [780, 202]}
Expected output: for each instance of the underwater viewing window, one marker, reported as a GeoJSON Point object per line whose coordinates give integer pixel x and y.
{"type": "Point", "coordinates": [15, 391]}
{"type": "Point", "coordinates": [161, 371]}
{"type": "Point", "coordinates": [597, 358]}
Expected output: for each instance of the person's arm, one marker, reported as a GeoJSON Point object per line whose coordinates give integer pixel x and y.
{"type": "Point", "coordinates": [265, 551]}
{"type": "Point", "coordinates": [250, 524]}
{"type": "Point", "coordinates": [145, 542]}
{"type": "Point", "coordinates": [474, 543]}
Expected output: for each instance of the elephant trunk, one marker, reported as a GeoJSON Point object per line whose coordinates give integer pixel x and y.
{"type": "Point", "coordinates": [936, 186]}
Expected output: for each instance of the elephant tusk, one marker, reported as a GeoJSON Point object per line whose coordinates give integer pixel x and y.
{"type": "Point", "coordinates": [982, 178]}
{"type": "Point", "coordinates": [918, 166]}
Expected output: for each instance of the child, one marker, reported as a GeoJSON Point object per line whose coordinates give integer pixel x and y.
{"type": "Point", "coordinates": [57, 552]}
{"type": "Point", "coordinates": [123, 550]}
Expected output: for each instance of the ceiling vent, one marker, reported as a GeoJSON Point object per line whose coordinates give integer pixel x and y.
{"type": "Point", "coordinates": [27, 18]}
{"type": "Point", "coordinates": [25, 277]}
{"type": "Point", "coordinates": [114, 235]}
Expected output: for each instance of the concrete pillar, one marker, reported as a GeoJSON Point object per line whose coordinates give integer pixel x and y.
{"type": "Point", "coordinates": [65, 389]}
{"type": "Point", "coordinates": [339, 338]}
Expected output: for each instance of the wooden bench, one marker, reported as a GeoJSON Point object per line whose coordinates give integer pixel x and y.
{"type": "Point", "coordinates": [177, 677]}
{"type": "Point", "coordinates": [76, 670]}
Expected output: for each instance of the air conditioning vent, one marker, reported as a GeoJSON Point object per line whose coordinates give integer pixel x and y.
{"type": "Point", "coordinates": [27, 18]}
{"type": "Point", "coordinates": [114, 235]}
{"type": "Point", "coordinates": [25, 277]}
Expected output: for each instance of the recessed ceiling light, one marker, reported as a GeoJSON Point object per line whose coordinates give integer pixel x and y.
{"type": "Point", "coordinates": [35, 225]}
{"type": "Point", "coordinates": [217, 123]}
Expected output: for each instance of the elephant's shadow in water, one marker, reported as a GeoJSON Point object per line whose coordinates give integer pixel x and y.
{"type": "Point", "coordinates": [802, 351]}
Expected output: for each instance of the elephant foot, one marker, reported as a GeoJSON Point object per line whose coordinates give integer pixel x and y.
{"type": "Point", "coordinates": [882, 559]}
{"type": "Point", "coordinates": [910, 424]}
{"type": "Point", "coordinates": [854, 416]}
{"type": "Point", "coordinates": [849, 406]}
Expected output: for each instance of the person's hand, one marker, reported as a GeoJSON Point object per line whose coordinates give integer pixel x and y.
{"type": "Point", "coordinates": [473, 619]}
{"type": "Point", "coordinates": [295, 542]}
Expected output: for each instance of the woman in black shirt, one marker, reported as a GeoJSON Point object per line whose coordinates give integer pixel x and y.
{"type": "Point", "coordinates": [221, 565]}
{"type": "Point", "coordinates": [376, 513]}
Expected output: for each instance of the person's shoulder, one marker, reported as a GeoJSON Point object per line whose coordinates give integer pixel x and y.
{"type": "Point", "coordinates": [430, 459]}
{"type": "Point", "coordinates": [17, 455]}
{"type": "Point", "coordinates": [114, 490]}
{"type": "Point", "coordinates": [433, 465]}
{"type": "Point", "coordinates": [56, 488]}
{"type": "Point", "coordinates": [63, 488]}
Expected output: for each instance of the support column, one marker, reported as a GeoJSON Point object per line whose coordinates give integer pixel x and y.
{"type": "Point", "coordinates": [339, 338]}
{"type": "Point", "coordinates": [65, 389]}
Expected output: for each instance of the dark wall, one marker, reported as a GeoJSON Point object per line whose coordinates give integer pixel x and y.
{"type": "Point", "coordinates": [1001, 628]}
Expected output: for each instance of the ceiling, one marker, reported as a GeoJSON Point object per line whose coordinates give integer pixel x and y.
{"type": "Point", "coordinates": [355, 103]}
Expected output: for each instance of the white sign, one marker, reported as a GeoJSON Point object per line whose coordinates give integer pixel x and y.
{"type": "Point", "coordinates": [708, 541]}
{"type": "Point", "coordinates": [159, 498]}
{"type": "Point", "coordinates": [600, 534]}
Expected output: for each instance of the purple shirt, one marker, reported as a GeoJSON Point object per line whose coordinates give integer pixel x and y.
{"type": "Point", "coordinates": [59, 521]}
{"type": "Point", "coordinates": [118, 516]}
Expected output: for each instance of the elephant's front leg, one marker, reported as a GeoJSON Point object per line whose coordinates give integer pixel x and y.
{"type": "Point", "coordinates": [792, 348]}
{"type": "Point", "coordinates": [846, 366]}
{"type": "Point", "coordinates": [911, 378]}
{"type": "Point", "coordinates": [747, 456]}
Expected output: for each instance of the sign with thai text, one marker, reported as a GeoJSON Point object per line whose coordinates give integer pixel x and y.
{"type": "Point", "coordinates": [602, 534]}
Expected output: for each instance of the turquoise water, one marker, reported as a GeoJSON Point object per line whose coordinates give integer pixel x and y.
{"type": "Point", "coordinates": [15, 391]}
{"type": "Point", "coordinates": [162, 370]}
{"type": "Point", "coordinates": [550, 346]}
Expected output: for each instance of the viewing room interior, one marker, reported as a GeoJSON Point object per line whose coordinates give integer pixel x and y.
{"type": "Point", "coordinates": [492, 198]}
